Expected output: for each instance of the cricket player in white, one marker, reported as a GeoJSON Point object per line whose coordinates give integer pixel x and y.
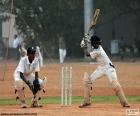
{"type": "Point", "coordinates": [105, 68]}
{"type": "Point", "coordinates": [62, 49]}
{"type": "Point", "coordinates": [39, 56]}
{"type": "Point", "coordinates": [27, 71]}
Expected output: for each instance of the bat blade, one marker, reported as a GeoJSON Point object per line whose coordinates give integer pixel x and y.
{"type": "Point", "coordinates": [92, 26]}
{"type": "Point", "coordinates": [95, 17]}
{"type": "Point", "coordinates": [94, 20]}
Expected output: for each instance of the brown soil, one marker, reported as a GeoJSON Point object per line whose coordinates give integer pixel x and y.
{"type": "Point", "coordinates": [128, 76]}
{"type": "Point", "coordinates": [57, 110]}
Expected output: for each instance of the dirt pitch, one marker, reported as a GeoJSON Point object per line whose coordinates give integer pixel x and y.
{"type": "Point", "coordinates": [128, 75]}
{"type": "Point", "coordinates": [57, 110]}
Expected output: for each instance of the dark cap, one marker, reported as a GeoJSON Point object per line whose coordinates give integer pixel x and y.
{"type": "Point", "coordinates": [31, 50]}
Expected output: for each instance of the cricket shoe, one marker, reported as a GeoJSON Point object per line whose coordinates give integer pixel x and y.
{"type": "Point", "coordinates": [126, 105]}
{"type": "Point", "coordinates": [84, 105]}
{"type": "Point", "coordinates": [35, 104]}
{"type": "Point", "coordinates": [24, 105]}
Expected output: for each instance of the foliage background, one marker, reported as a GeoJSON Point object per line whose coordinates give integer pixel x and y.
{"type": "Point", "coordinates": [41, 21]}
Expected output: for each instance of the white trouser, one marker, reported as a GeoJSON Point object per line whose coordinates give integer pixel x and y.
{"type": "Point", "coordinates": [109, 71]}
{"type": "Point", "coordinates": [98, 73]}
{"type": "Point", "coordinates": [62, 55]}
{"type": "Point", "coordinates": [19, 83]}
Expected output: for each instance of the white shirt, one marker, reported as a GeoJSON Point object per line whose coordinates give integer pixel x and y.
{"type": "Point", "coordinates": [25, 66]}
{"type": "Point", "coordinates": [100, 56]}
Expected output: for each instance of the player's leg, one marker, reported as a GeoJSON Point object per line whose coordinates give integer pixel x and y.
{"type": "Point", "coordinates": [64, 54]}
{"type": "Point", "coordinates": [34, 101]}
{"type": "Point", "coordinates": [119, 92]}
{"type": "Point", "coordinates": [111, 74]}
{"type": "Point", "coordinates": [88, 82]}
{"type": "Point", "coordinates": [61, 55]}
{"type": "Point", "coordinates": [19, 90]}
{"type": "Point", "coordinates": [36, 97]}
{"type": "Point", "coordinates": [87, 90]}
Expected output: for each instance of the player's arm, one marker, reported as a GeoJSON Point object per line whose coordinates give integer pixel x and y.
{"type": "Point", "coordinates": [83, 44]}
{"type": "Point", "coordinates": [36, 84]}
{"type": "Point", "coordinates": [23, 78]}
{"type": "Point", "coordinates": [86, 52]}
{"type": "Point", "coordinates": [36, 75]}
{"type": "Point", "coordinates": [26, 81]}
{"type": "Point", "coordinates": [36, 69]}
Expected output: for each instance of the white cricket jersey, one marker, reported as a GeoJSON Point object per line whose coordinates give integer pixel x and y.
{"type": "Point", "coordinates": [100, 56]}
{"type": "Point", "coordinates": [25, 66]}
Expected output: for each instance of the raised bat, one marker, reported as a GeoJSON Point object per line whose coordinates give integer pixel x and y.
{"type": "Point", "coordinates": [92, 24]}
{"type": "Point", "coordinates": [94, 20]}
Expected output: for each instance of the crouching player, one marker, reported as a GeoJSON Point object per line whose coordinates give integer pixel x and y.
{"type": "Point", "coordinates": [105, 68]}
{"type": "Point", "coordinates": [27, 72]}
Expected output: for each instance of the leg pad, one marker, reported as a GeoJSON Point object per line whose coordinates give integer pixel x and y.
{"type": "Point", "coordinates": [119, 92]}
{"type": "Point", "coordinates": [87, 88]}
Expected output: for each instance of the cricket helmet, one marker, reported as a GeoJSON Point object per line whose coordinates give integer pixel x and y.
{"type": "Point", "coordinates": [95, 40]}
{"type": "Point", "coordinates": [31, 50]}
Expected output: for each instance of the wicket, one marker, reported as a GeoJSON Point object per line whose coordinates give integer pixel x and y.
{"type": "Point", "coordinates": [66, 85]}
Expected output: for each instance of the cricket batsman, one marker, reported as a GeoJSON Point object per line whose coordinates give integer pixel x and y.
{"type": "Point", "coordinates": [27, 72]}
{"type": "Point", "coordinates": [105, 67]}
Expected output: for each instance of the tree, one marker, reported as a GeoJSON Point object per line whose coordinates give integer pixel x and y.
{"type": "Point", "coordinates": [116, 9]}
{"type": "Point", "coordinates": [39, 21]}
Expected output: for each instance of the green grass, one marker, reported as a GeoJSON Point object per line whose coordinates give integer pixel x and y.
{"type": "Point", "coordinates": [75, 100]}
